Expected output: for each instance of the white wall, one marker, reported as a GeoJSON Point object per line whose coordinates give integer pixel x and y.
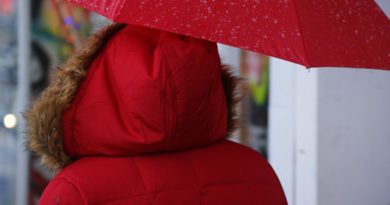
{"type": "Point", "coordinates": [354, 137]}
{"type": "Point", "coordinates": [292, 128]}
{"type": "Point", "coordinates": [330, 134]}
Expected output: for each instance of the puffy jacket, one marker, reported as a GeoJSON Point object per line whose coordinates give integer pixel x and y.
{"type": "Point", "coordinates": [141, 116]}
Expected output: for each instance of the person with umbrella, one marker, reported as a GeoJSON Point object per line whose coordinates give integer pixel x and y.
{"type": "Point", "coordinates": [141, 116]}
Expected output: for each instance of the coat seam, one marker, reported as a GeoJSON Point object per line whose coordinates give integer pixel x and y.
{"type": "Point", "coordinates": [198, 186]}
{"type": "Point", "coordinates": [184, 188]}
{"type": "Point", "coordinates": [139, 173]}
{"type": "Point", "coordinates": [78, 189]}
{"type": "Point", "coordinates": [175, 115]}
{"type": "Point", "coordinates": [76, 108]}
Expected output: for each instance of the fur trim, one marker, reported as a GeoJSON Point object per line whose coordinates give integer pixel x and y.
{"type": "Point", "coordinates": [44, 126]}
{"type": "Point", "coordinates": [44, 130]}
{"type": "Point", "coordinates": [233, 93]}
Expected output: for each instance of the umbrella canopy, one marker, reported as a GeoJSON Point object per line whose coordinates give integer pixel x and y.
{"type": "Point", "coordinates": [313, 33]}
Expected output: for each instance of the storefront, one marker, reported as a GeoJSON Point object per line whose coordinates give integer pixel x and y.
{"type": "Point", "coordinates": [48, 32]}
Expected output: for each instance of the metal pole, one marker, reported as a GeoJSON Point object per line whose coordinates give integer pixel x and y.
{"type": "Point", "coordinates": [23, 90]}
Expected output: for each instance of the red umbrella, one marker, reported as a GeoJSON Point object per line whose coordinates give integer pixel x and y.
{"type": "Point", "coordinates": [314, 33]}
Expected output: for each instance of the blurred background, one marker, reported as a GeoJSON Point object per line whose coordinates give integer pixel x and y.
{"type": "Point", "coordinates": [325, 131]}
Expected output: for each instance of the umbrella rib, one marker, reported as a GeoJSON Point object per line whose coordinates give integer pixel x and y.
{"type": "Point", "coordinates": [118, 10]}
{"type": "Point", "coordinates": [306, 60]}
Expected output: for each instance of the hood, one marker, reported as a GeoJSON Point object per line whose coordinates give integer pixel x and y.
{"type": "Point", "coordinates": [132, 90]}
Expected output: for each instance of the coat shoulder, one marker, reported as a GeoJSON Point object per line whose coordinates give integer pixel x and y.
{"type": "Point", "coordinates": [62, 191]}
{"type": "Point", "coordinates": [222, 173]}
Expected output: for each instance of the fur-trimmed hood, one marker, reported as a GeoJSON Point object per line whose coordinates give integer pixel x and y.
{"type": "Point", "coordinates": [68, 120]}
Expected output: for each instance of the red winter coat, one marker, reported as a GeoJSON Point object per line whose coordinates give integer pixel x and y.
{"type": "Point", "coordinates": [140, 116]}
